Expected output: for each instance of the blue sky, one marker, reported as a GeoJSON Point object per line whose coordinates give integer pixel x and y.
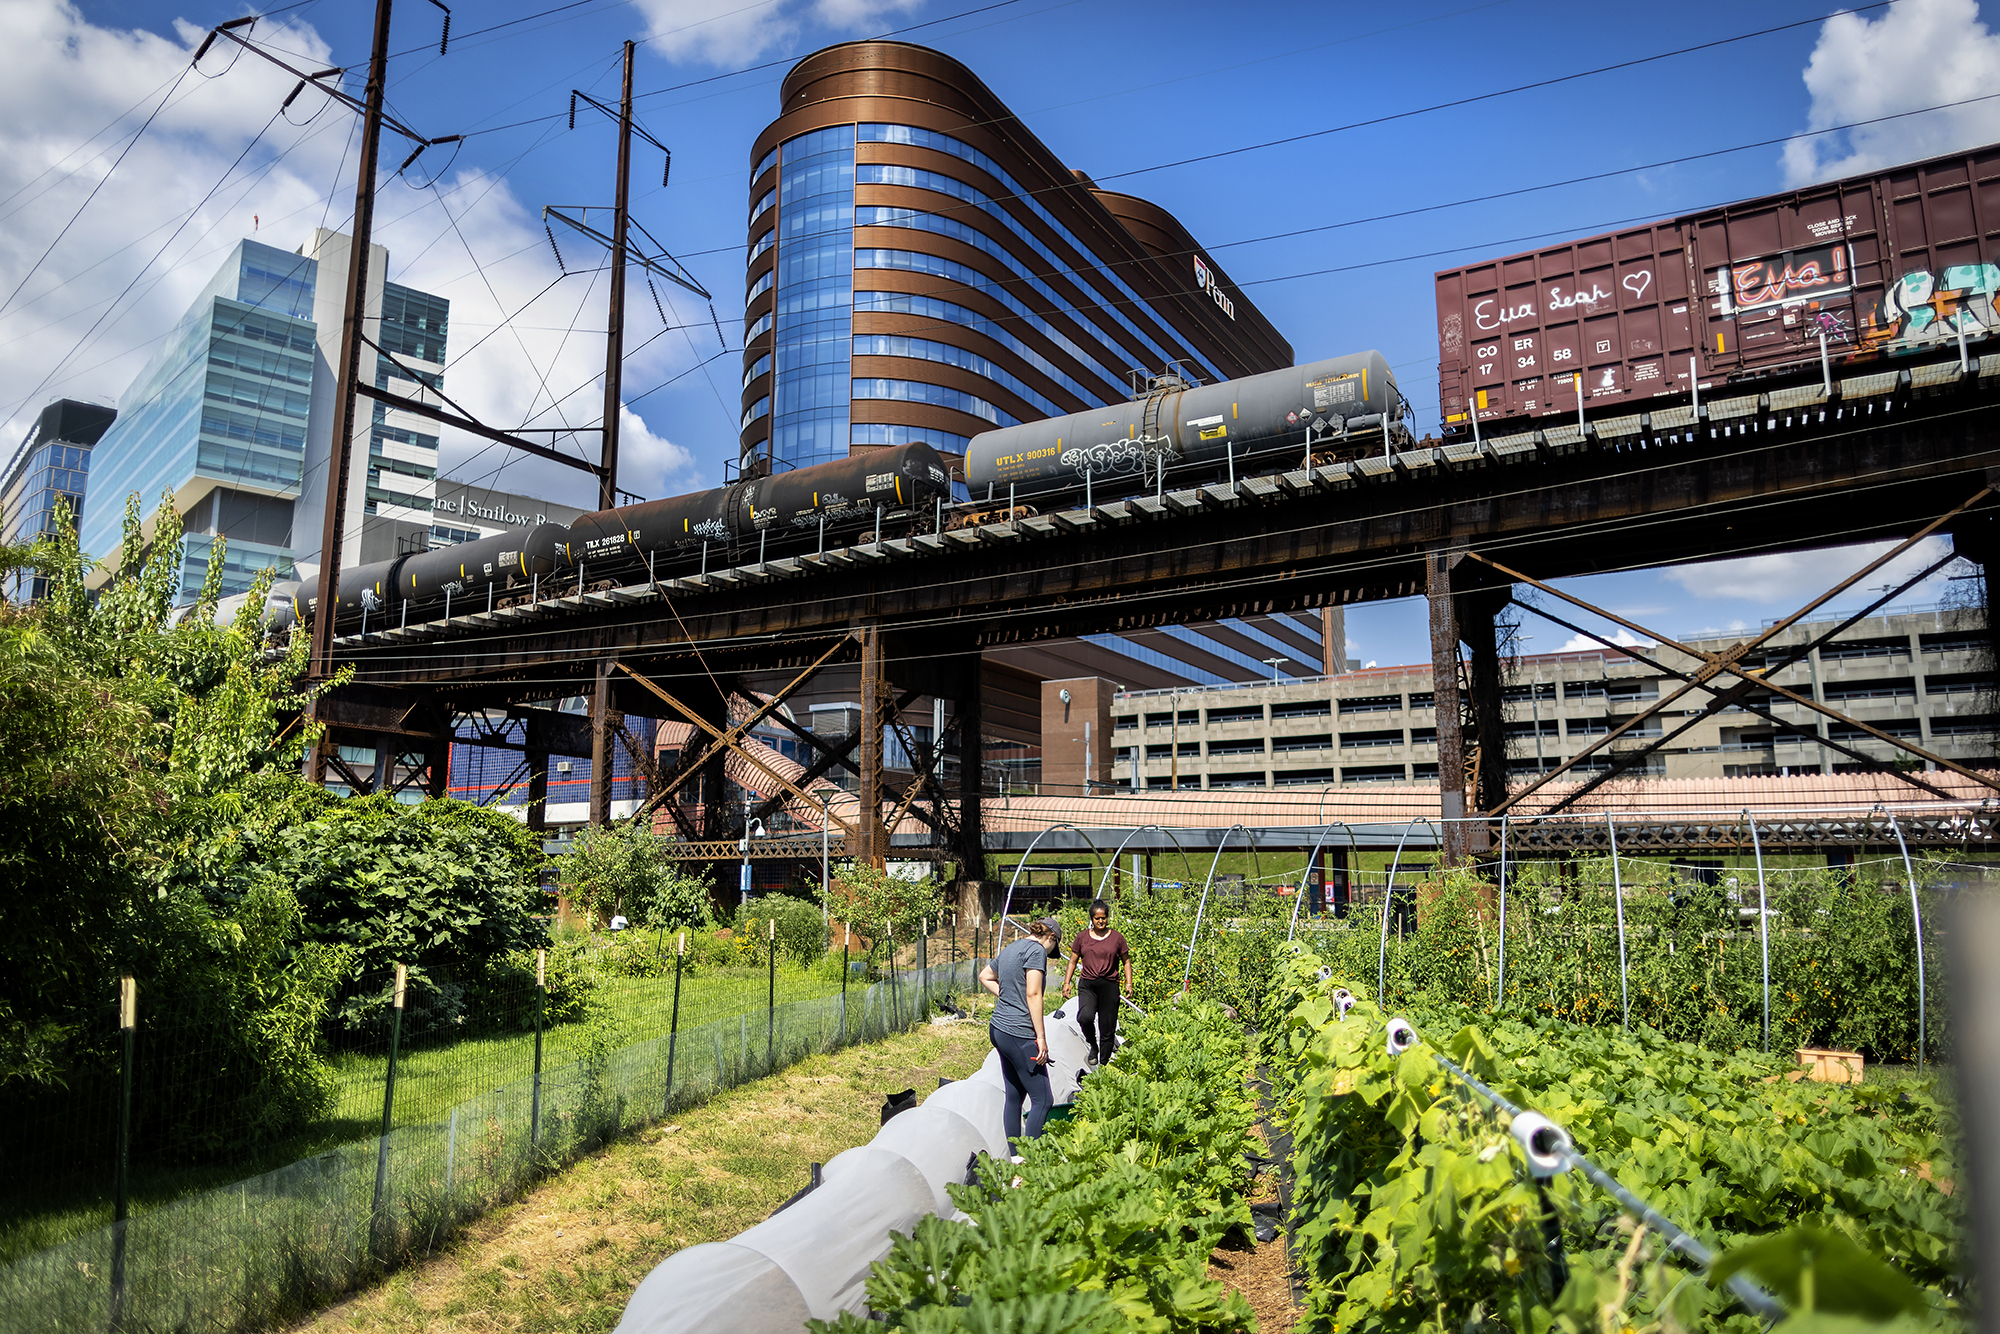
{"type": "Point", "coordinates": [1116, 89]}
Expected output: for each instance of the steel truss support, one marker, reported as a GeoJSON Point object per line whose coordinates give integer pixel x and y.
{"type": "Point", "coordinates": [693, 759]}
{"type": "Point", "coordinates": [748, 754]}
{"type": "Point", "coordinates": [604, 723]}
{"type": "Point", "coordinates": [1736, 696]}
{"type": "Point", "coordinates": [1439, 564]}
{"type": "Point", "coordinates": [1479, 613]}
{"type": "Point", "coordinates": [871, 843]}
{"type": "Point", "coordinates": [971, 849]}
{"type": "Point", "coordinates": [1730, 661]}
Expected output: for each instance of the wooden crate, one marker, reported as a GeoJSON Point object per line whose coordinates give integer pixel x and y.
{"type": "Point", "coordinates": [1830, 1066]}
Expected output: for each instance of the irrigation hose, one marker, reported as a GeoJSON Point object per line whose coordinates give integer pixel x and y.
{"type": "Point", "coordinates": [1551, 1151]}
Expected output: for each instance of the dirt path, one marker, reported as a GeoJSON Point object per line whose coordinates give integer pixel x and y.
{"type": "Point", "coordinates": [565, 1257]}
{"type": "Point", "coordinates": [1262, 1272]}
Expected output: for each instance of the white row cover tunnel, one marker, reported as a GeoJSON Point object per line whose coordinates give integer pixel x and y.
{"type": "Point", "coordinates": [811, 1259]}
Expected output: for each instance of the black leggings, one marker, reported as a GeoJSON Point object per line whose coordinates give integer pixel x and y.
{"type": "Point", "coordinates": [1097, 1012]}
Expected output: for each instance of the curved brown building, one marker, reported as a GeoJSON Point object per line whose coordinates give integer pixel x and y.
{"type": "Point", "coordinates": [921, 267]}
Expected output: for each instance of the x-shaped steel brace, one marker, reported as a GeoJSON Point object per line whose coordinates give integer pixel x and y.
{"type": "Point", "coordinates": [1736, 694]}
{"type": "Point", "coordinates": [748, 755]}
{"type": "Point", "coordinates": [691, 759]}
{"type": "Point", "coordinates": [1730, 661]}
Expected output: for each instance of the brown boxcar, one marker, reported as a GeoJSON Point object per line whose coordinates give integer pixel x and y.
{"type": "Point", "coordinates": [1900, 263]}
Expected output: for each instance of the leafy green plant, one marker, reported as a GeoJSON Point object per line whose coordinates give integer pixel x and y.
{"type": "Point", "coordinates": [400, 884]}
{"type": "Point", "coordinates": [629, 868]}
{"type": "Point", "coordinates": [1414, 1211]}
{"type": "Point", "coordinates": [873, 900]}
{"type": "Point", "coordinates": [1109, 1222]}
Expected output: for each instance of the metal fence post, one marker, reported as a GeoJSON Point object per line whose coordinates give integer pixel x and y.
{"type": "Point", "coordinates": [1388, 902]}
{"type": "Point", "coordinates": [924, 966]}
{"type": "Point", "coordinates": [376, 1209]}
{"type": "Point", "coordinates": [1917, 925]}
{"type": "Point", "coordinates": [1500, 988]}
{"type": "Point", "coordinates": [1763, 925]}
{"type": "Point", "coordinates": [128, 1030]}
{"type": "Point", "coordinates": [674, 1024]}
{"type": "Point", "coordinates": [845, 937]}
{"type": "Point", "coordinates": [541, 1005]}
{"type": "Point", "coordinates": [895, 1006]}
{"type": "Point", "coordinates": [771, 1000]}
{"type": "Point", "coordinates": [1618, 903]}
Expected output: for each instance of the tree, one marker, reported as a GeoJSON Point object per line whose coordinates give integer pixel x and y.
{"type": "Point", "coordinates": [126, 737]}
{"type": "Point", "coordinates": [629, 868]}
{"type": "Point", "coordinates": [873, 900]}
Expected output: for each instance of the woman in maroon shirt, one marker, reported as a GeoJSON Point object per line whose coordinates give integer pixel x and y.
{"type": "Point", "coordinates": [1099, 950]}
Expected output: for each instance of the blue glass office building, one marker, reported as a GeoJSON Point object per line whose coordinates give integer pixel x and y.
{"type": "Point", "coordinates": [223, 419]}
{"type": "Point", "coordinates": [921, 267]}
{"type": "Point", "coordinates": [47, 475]}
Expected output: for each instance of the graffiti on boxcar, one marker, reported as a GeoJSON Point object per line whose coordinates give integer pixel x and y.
{"type": "Point", "coordinates": [1924, 310]}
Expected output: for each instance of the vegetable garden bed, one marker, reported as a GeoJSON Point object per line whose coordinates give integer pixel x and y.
{"type": "Point", "coordinates": [1413, 1206]}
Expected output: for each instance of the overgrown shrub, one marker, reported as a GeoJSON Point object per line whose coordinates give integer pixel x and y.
{"type": "Point", "coordinates": [433, 886]}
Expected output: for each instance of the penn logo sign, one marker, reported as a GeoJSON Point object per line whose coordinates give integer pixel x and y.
{"type": "Point", "coordinates": [1205, 280]}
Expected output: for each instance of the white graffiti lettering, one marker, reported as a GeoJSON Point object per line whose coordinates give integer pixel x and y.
{"type": "Point", "coordinates": [1486, 319]}
{"type": "Point", "coordinates": [1557, 301]}
{"type": "Point", "coordinates": [1637, 283]}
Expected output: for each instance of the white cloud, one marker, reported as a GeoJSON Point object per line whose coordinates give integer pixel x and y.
{"type": "Point", "coordinates": [1585, 644]}
{"type": "Point", "coordinates": [649, 454]}
{"type": "Point", "coordinates": [1919, 53]}
{"type": "Point", "coordinates": [63, 78]}
{"type": "Point", "coordinates": [1788, 580]}
{"type": "Point", "coordinates": [730, 32]}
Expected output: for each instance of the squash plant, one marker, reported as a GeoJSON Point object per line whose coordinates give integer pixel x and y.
{"type": "Point", "coordinates": [1109, 1223]}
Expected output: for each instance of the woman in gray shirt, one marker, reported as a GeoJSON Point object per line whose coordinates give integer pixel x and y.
{"type": "Point", "coordinates": [1015, 976]}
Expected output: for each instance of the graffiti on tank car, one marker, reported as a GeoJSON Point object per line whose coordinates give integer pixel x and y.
{"type": "Point", "coordinates": [881, 481]}
{"type": "Point", "coordinates": [764, 518]}
{"type": "Point", "coordinates": [1922, 310]}
{"type": "Point", "coordinates": [1796, 275]}
{"type": "Point", "coordinates": [1489, 314]}
{"type": "Point", "coordinates": [1557, 301]}
{"type": "Point", "coordinates": [712, 529]}
{"type": "Point", "coordinates": [1113, 456]}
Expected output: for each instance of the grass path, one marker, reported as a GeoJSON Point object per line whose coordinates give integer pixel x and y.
{"type": "Point", "coordinates": [565, 1257]}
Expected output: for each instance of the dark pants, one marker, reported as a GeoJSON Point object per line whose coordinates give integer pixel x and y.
{"type": "Point", "coordinates": [1097, 1011]}
{"type": "Point", "coordinates": [1025, 1080]}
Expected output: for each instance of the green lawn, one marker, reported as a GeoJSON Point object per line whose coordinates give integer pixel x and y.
{"type": "Point", "coordinates": [430, 1080]}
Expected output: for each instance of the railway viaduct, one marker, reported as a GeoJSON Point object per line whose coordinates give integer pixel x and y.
{"type": "Point", "coordinates": [1898, 454]}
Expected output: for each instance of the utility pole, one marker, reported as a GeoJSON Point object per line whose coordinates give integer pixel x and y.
{"type": "Point", "coordinates": [614, 337]}
{"type": "Point", "coordinates": [349, 370]}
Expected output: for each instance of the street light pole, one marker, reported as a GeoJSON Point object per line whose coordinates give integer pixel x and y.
{"type": "Point", "coordinates": [750, 826]}
{"type": "Point", "coordinates": [1174, 760]}
{"type": "Point", "coordinates": [1272, 663]}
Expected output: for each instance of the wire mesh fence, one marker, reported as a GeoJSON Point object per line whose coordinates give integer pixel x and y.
{"type": "Point", "coordinates": [450, 1105]}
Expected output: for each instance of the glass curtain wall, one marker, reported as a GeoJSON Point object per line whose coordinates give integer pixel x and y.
{"type": "Point", "coordinates": [809, 411]}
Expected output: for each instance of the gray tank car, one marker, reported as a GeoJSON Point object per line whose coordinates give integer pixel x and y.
{"type": "Point", "coordinates": [1249, 422]}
